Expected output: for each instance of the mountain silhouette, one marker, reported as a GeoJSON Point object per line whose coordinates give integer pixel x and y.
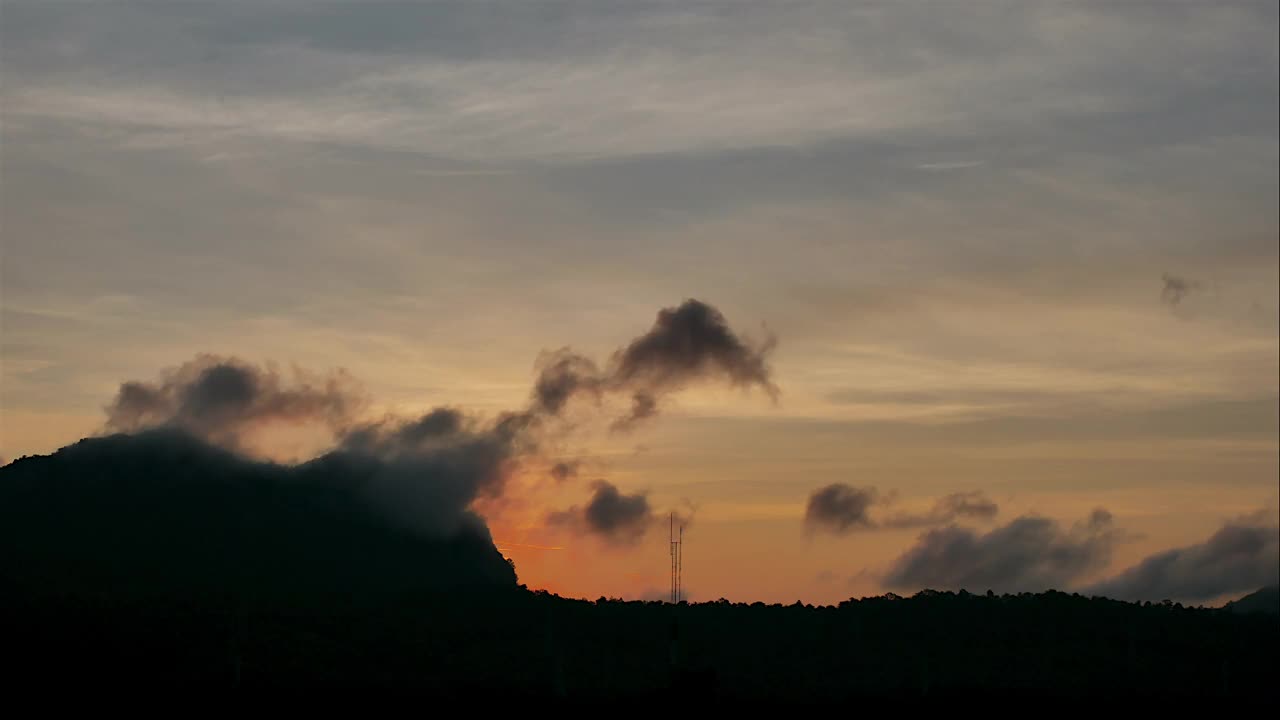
{"type": "Point", "coordinates": [1265, 600]}
{"type": "Point", "coordinates": [157, 560]}
{"type": "Point", "coordinates": [164, 514]}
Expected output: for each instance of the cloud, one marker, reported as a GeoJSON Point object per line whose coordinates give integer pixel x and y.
{"type": "Point", "coordinates": [1029, 554]}
{"type": "Point", "coordinates": [392, 434]}
{"type": "Point", "coordinates": [643, 406]}
{"type": "Point", "coordinates": [562, 375]}
{"type": "Point", "coordinates": [1176, 288]}
{"type": "Point", "coordinates": [422, 472]}
{"type": "Point", "coordinates": [610, 514]}
{"type": "Point", "coordinates": [429, 470]}
{"type": "Point", "coordinates": [175, 479]}
{"type": "Point", "coordinates": [441, 422]}
{"type": "Point", "coordinates": [687, 344]}
{"type": "Point", "coordinates": [452, 80]}
{"type": "Point", "coordinates": [691, 342]}
{"type": "Point", "coordinates": [1034, 554]}
{"type": "Point", "coordinates": [565, 470]}
{"type": "Point", "coordinates": [221, 399]}
{"type": "Point", "coordinates": [952, 165]}
{"type": "Point", "coordinates": [1243, 555]}
{"type": "Point", "coordinates": [165, 512]}
{"type": "Point", "coordinates": [839, 508]}
{"type": "Point", "coordinates": [947, 509]}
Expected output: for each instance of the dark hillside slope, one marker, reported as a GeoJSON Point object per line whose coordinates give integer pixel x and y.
{"type": "Point", "coordinates": [1266, 600]}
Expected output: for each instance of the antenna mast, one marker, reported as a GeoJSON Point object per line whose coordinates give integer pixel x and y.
{"type": "Point", "coordinates": [676, 538]}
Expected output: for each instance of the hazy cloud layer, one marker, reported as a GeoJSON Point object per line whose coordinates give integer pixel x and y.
{"type": "Point", "coordinates": [456, 79]}
{"type": "Point", "coordinates": [1242, 556]}
{"type": "Point", "coordinates": [687, 344]}
{"type": "Point", "coordinates": [1028, 554]}
{"type": "Point", "coordinates": [697, 136]}
{"type": "Point", "coordinates": [235, 175]}
{"type": "Point", "coordinates": [610, 514]}
{"type": "Point", "coordinates": [221, 399]}
{"type": "Point", "coordinates": [840, 508]}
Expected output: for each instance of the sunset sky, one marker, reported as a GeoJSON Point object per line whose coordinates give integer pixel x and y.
{"type": "Point", "coordinates": [1020, 251]}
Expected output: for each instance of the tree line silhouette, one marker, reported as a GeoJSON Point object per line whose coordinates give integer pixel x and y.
{"type": "Point", "coordinates": [516, 643]}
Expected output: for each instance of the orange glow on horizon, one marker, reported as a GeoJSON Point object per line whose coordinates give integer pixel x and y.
{"type": "Point", "coordinates": [504, 545]}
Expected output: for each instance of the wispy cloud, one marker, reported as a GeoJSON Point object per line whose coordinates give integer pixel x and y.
{"type": "Point", "coordinates": [953, 165]}
{"type": "Point", "coordinates": [655, 79]}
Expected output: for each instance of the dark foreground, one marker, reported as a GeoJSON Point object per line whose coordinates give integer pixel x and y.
{"type": "Point", "coordinates": [520, 645]}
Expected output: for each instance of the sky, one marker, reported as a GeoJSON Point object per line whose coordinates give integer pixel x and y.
{"type": "Point", "coordinates": [1005, 265]}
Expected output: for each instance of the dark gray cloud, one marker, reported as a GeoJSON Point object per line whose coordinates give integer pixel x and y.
{"type": "Point", "coordinates": [974, 505]}
{"type": "Point", "coordinates": [643, 406]}
{"type": "Point", "coordinates": [618, 518]}
{"type": "Point", "coordinates": [565, 470]}
{"type": "Point", "coordinates": [1242, 555]}
{"type": "Point", "coordinates": [162, 511]}
{"type": "Point", "coordinates": [563, 374]}
{"type": "Point", "coordinates": [441, 422]}
{"type": "Point", "coordinates": [393, 434]}
{"type": "Point", "coordinates": [691, 342]}
{"type": "Point", "coordinates": [438, 428]}
{"type": "Point", "coordinates": [431, 468]}
{"type": "Point", "coordinates": [970, 504]}
{"type": "Point", "coordinates": [1176, 288]}
{"type": "Point", "coordinates": [422, 472]}
{"type": "Point", "coordinates": [1028, 554]}
{"type": "Point", "coordinates": [1033, 553]}
{"type": "Point", "coordinates": [390, 504]}
{"type": "Point", "coordinates": [221, 399]}
{"type": "Point", "coordinates": [687, 344]}
{"type": "Point", "coordinates": [840, 508]}
{"type": "Point", "coordinates": [398, 491]}
{"type": "Point", "coordinates": [425, 472]}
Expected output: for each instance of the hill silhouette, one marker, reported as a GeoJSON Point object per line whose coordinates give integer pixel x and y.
{"type": "Point", "coordinates": [534, 645]}
{"type": "Point", "coordinates": [162, 513]}
{"type": "Point", "coordinates": [158, 561]}
{"type": "Point", "coordinates": [1265, 600]}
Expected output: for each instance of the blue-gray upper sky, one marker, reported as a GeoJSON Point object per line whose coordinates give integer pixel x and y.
{"type": "Point", "coordinates": [1011, 246]}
